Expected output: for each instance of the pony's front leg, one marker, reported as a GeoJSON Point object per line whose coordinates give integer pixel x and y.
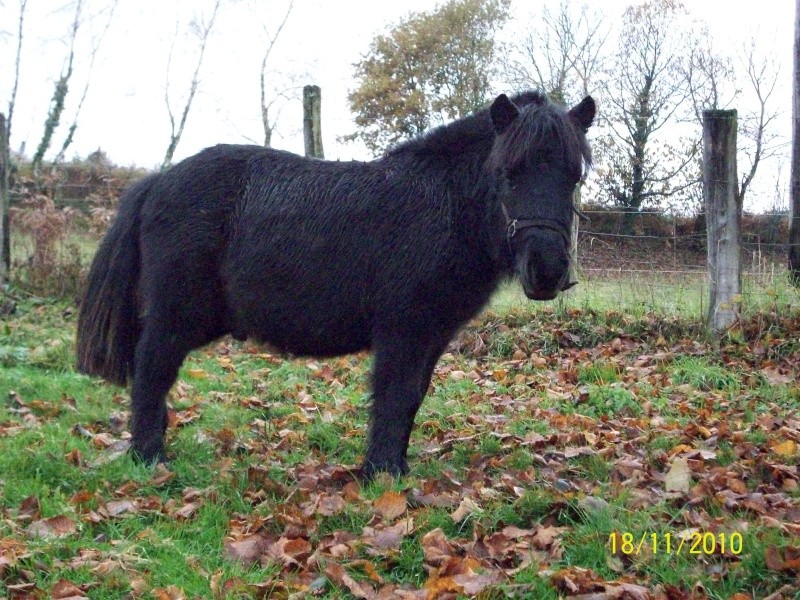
{"type": "Point", "coordinates": [400, 378]}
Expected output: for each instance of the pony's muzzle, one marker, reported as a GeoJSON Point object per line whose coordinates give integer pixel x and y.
{"type": "Point", "coordinates": [543, 266]}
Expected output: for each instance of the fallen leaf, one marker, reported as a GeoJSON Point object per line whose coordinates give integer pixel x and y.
{"type": "Point", "coordinates": [60, 526]}
{"type": "Point", "coordinates": [436, 548]}
{"type": "Point", "coordinates": [171, 592]}
{"type": "Point", "coordinates": [330, 504]}
{"type": "Point", "coordinates": [116, 508]}
{"type": "Point", "coordinates": [465, 509]}
{"type": "Point", "coordinates": [66, 590]}
{"type": "Point", "coordinates": [390, 505]}
{"type": "Point", "coordinates": [437, 587]}
{"type": "Point", "coordinates": [785, 449]}
{"type": "Point", "coordinates": [679, 476]}
{"type": "Point", "coordinates": [337, 574]}
{"type": "Point", "coordinates": [290, 551]}
{"type": "Point", "coordinates": [187, 510]}
{"type": "Point", "coordinates": [246, 551]}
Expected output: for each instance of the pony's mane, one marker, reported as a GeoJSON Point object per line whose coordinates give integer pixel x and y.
{"type": "Point", "coordinates": [541, 127]}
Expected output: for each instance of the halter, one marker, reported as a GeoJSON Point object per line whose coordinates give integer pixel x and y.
{"type": "Point", "coordinates": [515, 225]}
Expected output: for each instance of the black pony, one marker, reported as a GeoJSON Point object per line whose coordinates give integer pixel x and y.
{"type": "Point", "coordinates": [328, 258]}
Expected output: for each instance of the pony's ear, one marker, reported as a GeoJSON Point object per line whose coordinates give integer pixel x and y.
{"type": "Point", "coordinates": [583, 113]}
{"type": "Point", "coordinates": [503, 113]}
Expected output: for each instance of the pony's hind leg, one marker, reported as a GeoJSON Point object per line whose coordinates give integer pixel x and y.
{"type": "Point", "coordinates": [156, 364]}
{"type": "Point", "coordinates": [185, 309]}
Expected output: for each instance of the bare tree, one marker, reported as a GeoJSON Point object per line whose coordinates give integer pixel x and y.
{"type": "Point", "coordinates": [59, 95]}
{"type": "Point", "coordinates": [645, 90]}
{"type": "Point", "coordinates": [561, 55]}
{"type": "Point", "coordinates": [5, 154]}
{"type": "Point", "coordinates": [201, 30]}
{"type": "Point", "coordinates": [707, 74]}
{"type": "Point", "coordinates": [96, 43]}
{"type": "Point", "coordinates": [757, 125]}
{"type": "Point", "coordinates": [5, 243]}
{"type": "Point", "coordinates": [17, 59]}
{"type": "Point", "coordinates": [266, 106]}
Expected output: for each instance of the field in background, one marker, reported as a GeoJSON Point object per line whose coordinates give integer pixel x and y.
{"type": "Point", "coordinates": [681, 295]}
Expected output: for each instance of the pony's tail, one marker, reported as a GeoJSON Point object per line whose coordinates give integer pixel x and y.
{"type": "Point", "coordinates": [108, 324]}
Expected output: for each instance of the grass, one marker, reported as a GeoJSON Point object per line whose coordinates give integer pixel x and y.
{"type": "Point", "coordinates": [567, 422]}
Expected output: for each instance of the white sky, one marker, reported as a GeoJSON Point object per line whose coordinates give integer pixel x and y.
{"type": "Point", "coordinates": [125, 114]}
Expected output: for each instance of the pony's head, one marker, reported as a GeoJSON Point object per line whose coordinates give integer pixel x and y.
{"type": "Point", "coordinates": [539, 153]}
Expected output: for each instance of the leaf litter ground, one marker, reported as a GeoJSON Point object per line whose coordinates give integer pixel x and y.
{"type": "Point", "coordinates": [558, 454]}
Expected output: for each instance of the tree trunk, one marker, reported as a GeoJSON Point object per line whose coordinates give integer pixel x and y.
{"type": "Point", "coordinates": [794, 226]}
{"type": "Point", "coordinates": [723, 217]}
{"type": "Point", "coordinates": [312, 118]}
{"type": "Point", "coordinates": [5, 234]}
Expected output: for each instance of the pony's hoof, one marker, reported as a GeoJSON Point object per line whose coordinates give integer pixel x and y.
{"type": "Point", "coordinates": [370, 468]}
{"type": "Point", "coordinates": [148, 456]}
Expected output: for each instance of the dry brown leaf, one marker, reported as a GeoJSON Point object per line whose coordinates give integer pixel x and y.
{"type": "Point", "coordinates": [330, 504]}
{"type": "Point", "coordinates": [247, 551]}
{"type": "Point", "coordinates": [546, 536]}
{"type": "Point", "coordinates": [187, 510]}
{"type": "Point", "coordinates": [29, 509]}
{"type": "Point", "coordinates": [387, 538]}
{"type": "Point", "coordinates": [116, 508]}
{"type": "Point", "coordinates": [436, 548]}
{"type": "Point", "coordinates": [337, 574]}
{"type": "Point", "coordinates": [436, 587]}
{"type": "Point", "coordinates": [59, 526]}
{"type": "Point", "coordinates": [786, 559]}
{"type": "Point", "coordinates": [390, 505]}
{"type": "Point", "coordinates": [627, 591]}
{"type": "Point", "coordinates": [290, 551]}
{"type": "Point", "coordinates": [171, 592]}
{"type": "Point", "coordinates": [66, 590]}
{"type": "Point", "coordinates": [786, 592]}
{"type": "Point", "coordinates": [466, 508]}
{"type": "Point", "coordinates": [474, 583]}
{"type": "Point", "coordinates": [162, 475]}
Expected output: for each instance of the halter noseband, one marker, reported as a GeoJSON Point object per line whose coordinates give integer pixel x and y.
{"type": "Point", "coordinates": [515, 225]}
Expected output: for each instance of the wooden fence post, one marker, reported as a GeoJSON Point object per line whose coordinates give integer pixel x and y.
{"type": "Point", "coordinates": [723, 217]}
{"type": "Point", "coordinates": [312, 121]}
{"type": "Point", "coordinates": [5, 234]}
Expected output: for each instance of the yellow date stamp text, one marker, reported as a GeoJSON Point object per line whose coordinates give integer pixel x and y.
{"type": "Point", "coordinates": [697, 543]}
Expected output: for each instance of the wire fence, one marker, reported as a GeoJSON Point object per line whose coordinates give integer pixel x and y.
{"type": "Point", "coordinates": [654, 261]}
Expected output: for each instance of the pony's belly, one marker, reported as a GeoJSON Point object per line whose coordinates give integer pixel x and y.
{"type": "Point", "coordinates": [308, 332]}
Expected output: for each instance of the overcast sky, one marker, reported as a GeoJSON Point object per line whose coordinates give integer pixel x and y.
{"type": "Point", "coordinates": [125, 113]}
